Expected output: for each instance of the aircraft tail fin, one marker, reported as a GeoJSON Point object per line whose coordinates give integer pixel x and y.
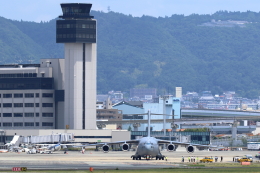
{"type": "Point", "coordinates": [149, 124]}
{"type": "Point", "coordinates": [59, 138]}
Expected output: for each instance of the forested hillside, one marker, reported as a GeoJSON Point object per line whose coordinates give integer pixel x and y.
{"type": "Point", "coordinates": [162, 52]}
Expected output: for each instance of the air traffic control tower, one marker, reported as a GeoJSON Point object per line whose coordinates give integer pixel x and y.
{"type": "Point", "coordinates": [77, 30]}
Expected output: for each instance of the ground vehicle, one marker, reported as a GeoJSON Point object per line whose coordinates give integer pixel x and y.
{"type": "Point", "coordinates": [246, 158]}
{"type": "Point", "coordinates": [206, 160]}
{"type": "Point", "coordinates": [32, 151]}
{"type": "Point", "coordinates": [46, 152]}
{"type": "Point", "coordinates": [253, 145]}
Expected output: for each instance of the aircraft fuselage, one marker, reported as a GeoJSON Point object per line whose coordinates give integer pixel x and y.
{"type": "Point", "coordinates": [148, 146]}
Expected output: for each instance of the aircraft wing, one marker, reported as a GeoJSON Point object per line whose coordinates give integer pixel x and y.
{"type": "Point", "coordinates": [110, 143]}
{"type": "Point", "coordinates": [181, 143]}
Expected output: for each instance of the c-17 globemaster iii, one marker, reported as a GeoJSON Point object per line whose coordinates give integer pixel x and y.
{"type": "Point", "coordinates": [148, 147]}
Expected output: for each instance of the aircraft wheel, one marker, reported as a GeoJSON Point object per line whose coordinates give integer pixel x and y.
{"type": "Point", "coordinates": [133, 158]}
{"type": "Point", "coordinates": [156, 158]}
{"type": "Point", "coordinates": [140, 158]}
{"type": "Point", "coordinates": [162, 158]}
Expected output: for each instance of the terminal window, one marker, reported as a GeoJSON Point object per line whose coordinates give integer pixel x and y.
{"type": "Point", "coordinates": [20, 95]}
{"type": "Point", "coordinates": [29, 115]}
{"type": "Point", "coordinates": [47, 94]}
{"type": "Point", "coordinates": [47, 104]}
{"type": "Point", "coordinates": [7, 95]}
{"type": "Point", "coordinates": [18, 104]}
{"type": "Point", "coordinates": [29, 95]}
{"type": "Point", "coordinates": [7, 124]}
{"type": "Point", "coordinates": [18, 124]}
{"type": "Point", "coordinates": [7, 105]}
{"type": "Point", "coordinates": [47, 114]}
{"type": "Point", "coordinates": [29, 104]}
{"type": "Point", "coordinates": [18, 114]}
{"type": "Point", "coordinates": [7, 114]}
{"type": "Point", "coordinates": [28, 124]}
{"type": "Point", "coordinates": [47, 124]}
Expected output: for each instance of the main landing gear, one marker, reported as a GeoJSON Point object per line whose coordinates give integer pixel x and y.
{"type": "Point", "coordinates": [160, 157]}
{"type": "Point", "coordinates": [136, 157]}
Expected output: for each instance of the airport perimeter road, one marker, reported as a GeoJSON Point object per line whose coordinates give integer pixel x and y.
{"type": "Point", "coordinates": [100, 160]}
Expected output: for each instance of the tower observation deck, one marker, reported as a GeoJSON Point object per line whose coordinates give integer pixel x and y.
{"type": "Point", "coordinates": [77, 26]}
{"type": "Point", "coordinates": [77, 30]}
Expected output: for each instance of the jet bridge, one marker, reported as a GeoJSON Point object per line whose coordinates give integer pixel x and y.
{"type": "Point", "coordinates": [54, 138]}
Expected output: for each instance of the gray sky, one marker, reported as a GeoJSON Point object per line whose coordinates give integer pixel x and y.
{"type": "Point", "coordinates": [45, 10]}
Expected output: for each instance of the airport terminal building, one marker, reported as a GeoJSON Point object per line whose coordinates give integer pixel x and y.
{"type": "Point", "coordinates": [32, 95]}
{"type": "Point", "coordinates": [57, 93]}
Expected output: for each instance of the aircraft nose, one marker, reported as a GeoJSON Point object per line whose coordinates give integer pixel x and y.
{"type": "Point", "coordinates": [148, 148]}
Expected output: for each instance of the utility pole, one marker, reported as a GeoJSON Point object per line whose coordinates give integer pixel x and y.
{"type": "Point", "coordinates": [164, 98]}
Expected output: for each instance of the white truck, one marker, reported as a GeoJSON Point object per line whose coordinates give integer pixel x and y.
{"type": "Point", "coordinates": [31, 151]}
{"type": "Point", "coordinates": [253, 145]}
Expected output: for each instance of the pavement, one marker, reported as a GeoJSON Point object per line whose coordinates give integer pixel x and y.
{"type": "Point", "coordinates": [75, 160]}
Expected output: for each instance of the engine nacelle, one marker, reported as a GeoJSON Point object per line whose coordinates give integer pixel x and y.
{"type": "Point", "coordinates": [105, 148]}
{"type": "Point", "coordinates": [125, 147]}
{"type": "Point", "coordinates": [190, 149]}
{"type": "Point", "coordinates": [171, 147]}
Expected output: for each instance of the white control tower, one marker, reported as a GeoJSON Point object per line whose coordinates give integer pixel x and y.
{"type": "Point", "coordinates": [77, 30]}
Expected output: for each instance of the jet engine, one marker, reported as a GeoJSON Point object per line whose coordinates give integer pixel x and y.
{"type": "Point", "coordinates": [190, 149]}
{"type": "Point", "coordinates": [105, 148]}
{"type": "Point", "coordinates": [171, 147]}
{"type": "Point", "coordinates": [125, 147]}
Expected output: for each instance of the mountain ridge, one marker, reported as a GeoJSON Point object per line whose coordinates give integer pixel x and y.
{"type": "Point", "coordinates": [154, 52]}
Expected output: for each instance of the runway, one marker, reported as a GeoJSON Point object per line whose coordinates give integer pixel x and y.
{"type": "Point", "coordinates": [99, 160]}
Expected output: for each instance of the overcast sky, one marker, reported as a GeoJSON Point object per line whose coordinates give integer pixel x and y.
{"type": "Point", "coordinates": [45, 10]}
